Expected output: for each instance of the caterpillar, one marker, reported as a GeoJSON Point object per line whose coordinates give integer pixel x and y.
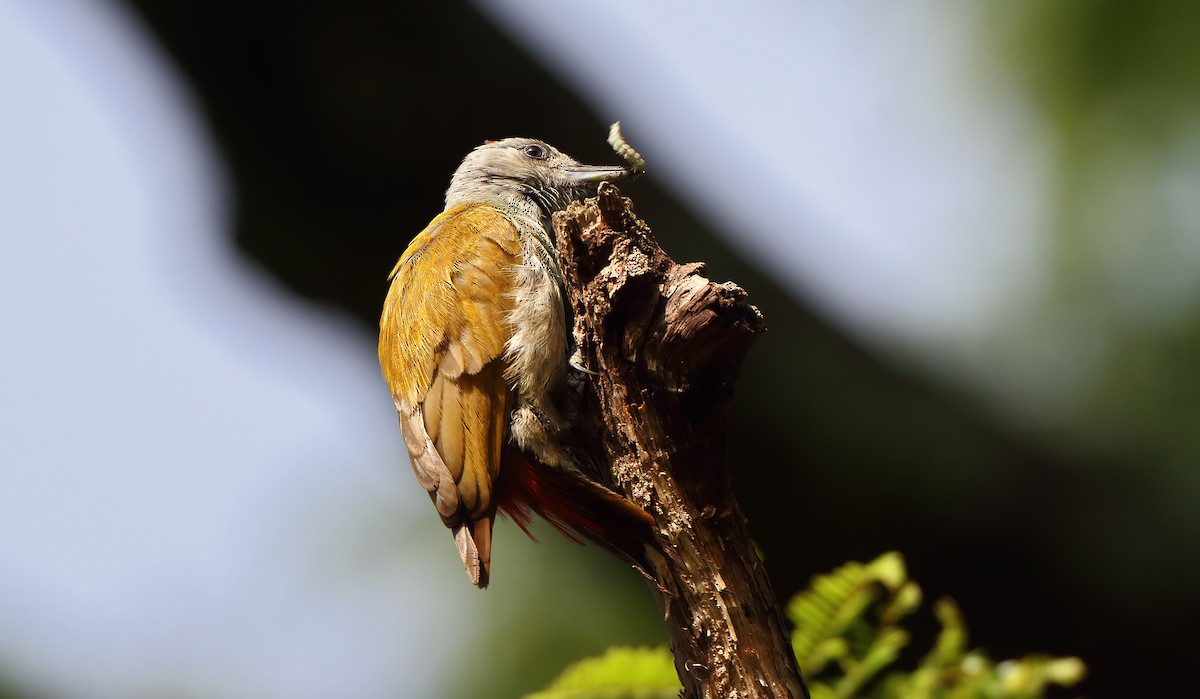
{"type": "Point", "coordinates": [617, 140]}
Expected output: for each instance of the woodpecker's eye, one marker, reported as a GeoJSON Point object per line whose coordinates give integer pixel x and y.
{"type": "Point", "coordinates": [536, 152]}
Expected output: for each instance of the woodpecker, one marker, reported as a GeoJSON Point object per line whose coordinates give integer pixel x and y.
{"type": "Point", "coordinates": [474, 344]}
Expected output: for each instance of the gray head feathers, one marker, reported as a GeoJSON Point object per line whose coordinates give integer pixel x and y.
{"type": "Point", "coordinates": [525, 173]}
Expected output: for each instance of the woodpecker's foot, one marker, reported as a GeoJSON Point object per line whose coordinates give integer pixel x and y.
{"type": "Point", "coordinates": [576, 383]}
{"type": "Point", "coordinates": [575, 389]}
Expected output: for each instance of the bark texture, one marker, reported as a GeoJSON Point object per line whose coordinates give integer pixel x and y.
{"type": "Point", "coordinates": [666, 345]}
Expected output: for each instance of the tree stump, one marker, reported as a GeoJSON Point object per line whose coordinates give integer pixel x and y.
{"type": "Point", "coordinates": [666, 345]}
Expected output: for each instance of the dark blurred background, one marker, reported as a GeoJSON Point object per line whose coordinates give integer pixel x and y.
{"type": "Point", "coordinates": [973, 234]}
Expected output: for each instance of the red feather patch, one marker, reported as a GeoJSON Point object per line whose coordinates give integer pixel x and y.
{"type": "Point", "coordinates": [574, 505]}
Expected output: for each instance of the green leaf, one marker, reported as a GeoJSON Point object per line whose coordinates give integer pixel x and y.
{"type": "Point", "coordinates": [620, 673]}
{"type": "Point", "coordinates": [889, 570]}
{"type": "Point", "coordinates": [835, 605]}
{"type": "Point", "coordinates": [952, 641]}
{"type": "Point", "coordinates": [882, 652]}
{"type": "Point", "coordinates": [1031, 675]}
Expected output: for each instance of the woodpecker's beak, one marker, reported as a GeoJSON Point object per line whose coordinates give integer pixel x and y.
{"type": "Point", "coordinates": [591, 174]}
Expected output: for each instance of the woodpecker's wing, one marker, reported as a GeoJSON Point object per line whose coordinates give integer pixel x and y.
{"type": "Point", "coordinates": [441, 346]}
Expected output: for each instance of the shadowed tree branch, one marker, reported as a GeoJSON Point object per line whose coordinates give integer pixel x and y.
{"type": "Point", "coordinates": [666, 345]}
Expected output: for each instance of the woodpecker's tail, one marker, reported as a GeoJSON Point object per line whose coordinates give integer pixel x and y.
{"type": "Point", "coordinates": [575, 506]}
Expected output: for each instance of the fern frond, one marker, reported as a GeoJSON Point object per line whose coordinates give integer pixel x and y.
{"type": "Point", "coordinates": [847, 637]}
{"type": "Point", "coordinates": [852, 617]}
{"type": "Point", "coordinates": [824, 614]}
{"type": "Point", "coordinates": [621, 672]}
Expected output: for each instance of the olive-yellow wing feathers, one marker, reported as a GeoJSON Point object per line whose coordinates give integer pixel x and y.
{"type": "Point", "coordinates": [441, 346]}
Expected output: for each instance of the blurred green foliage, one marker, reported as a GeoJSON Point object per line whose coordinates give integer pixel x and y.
{"type": "Point", "coordinates": [1116, 89]}
{"type": "Point", "coordinates": [619, 673]}
{"type": "Point", "coordinates": [847, 638]}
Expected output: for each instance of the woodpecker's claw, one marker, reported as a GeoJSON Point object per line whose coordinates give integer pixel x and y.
{"type": "Point", "coordinates": [576, 363]}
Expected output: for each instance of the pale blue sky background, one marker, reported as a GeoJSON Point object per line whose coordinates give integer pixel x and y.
{"type": "Point", "coordinates": [184, 443]}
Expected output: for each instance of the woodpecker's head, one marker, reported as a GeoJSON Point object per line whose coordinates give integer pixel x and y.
{"type": "Point", "coordinates": [525, 172]}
